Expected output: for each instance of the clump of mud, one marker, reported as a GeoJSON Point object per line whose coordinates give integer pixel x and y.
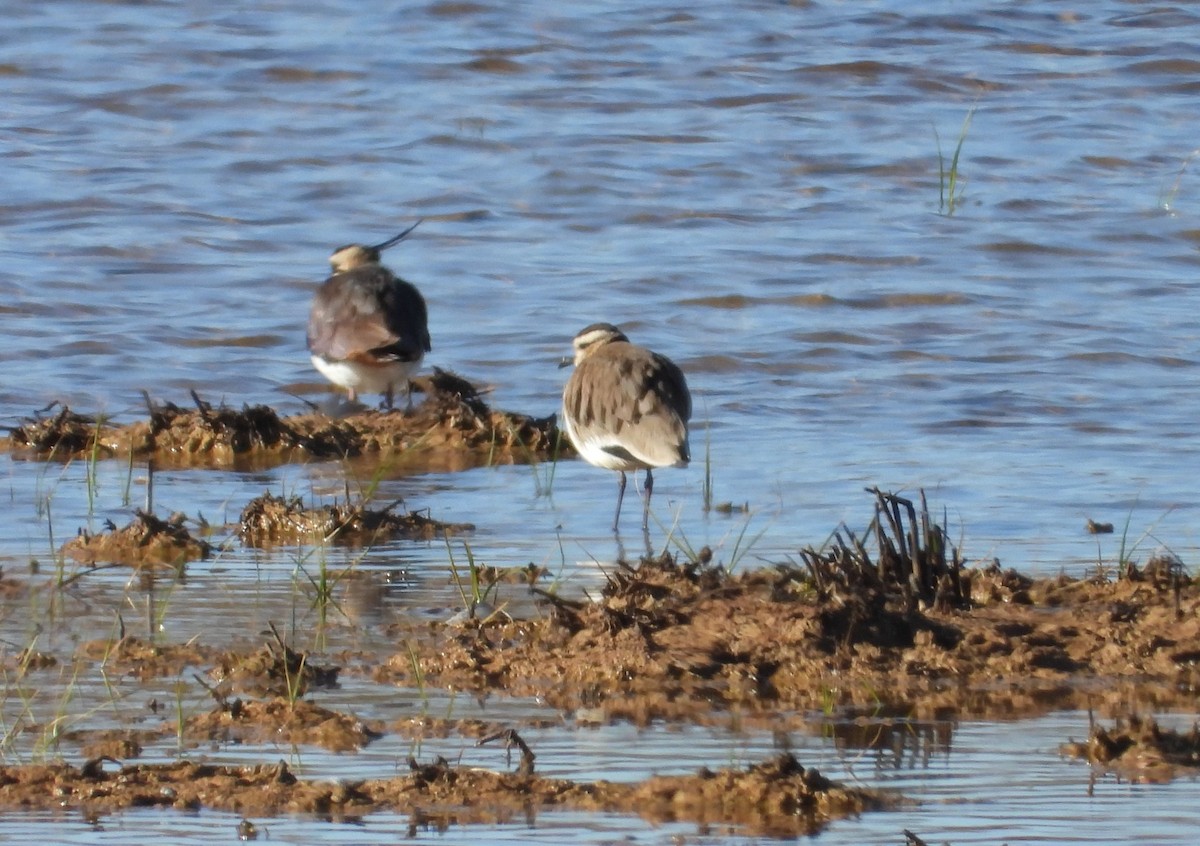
{"type": "Point", "coordinates": [453, 428]}
{"type": "Point", "coordinates": [671, 638]}
{"type": "Point", "coordinates": [66, 434]}
{"type": "Point", "coordinates": [269, 520]}
{"type": "Point", "coordinates": [778, 797]}
{"type": "Point", "coordinates": [119, 744]}
{"type": "Point", "coordinates": [131, 656]}
{"type": "Point", "coordinates": [282, 720]}
{"type": "Point", "coordinates": [283, 676]}
{"type": "Point", "coordinates": [274, 670]}
{"type": "Point", "coordinates": [219, 430]}
{"type": "Point", "coordinates": [146, 542]}
{"type": "Point", "coordinates": [276, 673]}
{"type": "Point", "coordinates": [1139, 749]}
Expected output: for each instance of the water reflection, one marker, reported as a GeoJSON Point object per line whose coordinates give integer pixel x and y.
{"type": "Point", "coordinates": [646, 550]}
{"type": "Point", "coordinates": [891, 739]}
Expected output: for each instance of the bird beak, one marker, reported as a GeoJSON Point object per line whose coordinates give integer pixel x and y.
{"type": "Point", "coordinates": [391, 242]}
{"type": "Point", "coordinates": [565, 361]}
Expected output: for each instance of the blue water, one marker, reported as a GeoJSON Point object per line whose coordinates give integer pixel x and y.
{"type": "Point", "coordinates": [750, 188]}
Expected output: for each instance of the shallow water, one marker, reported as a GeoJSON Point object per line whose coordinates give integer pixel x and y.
{"type": "Point", "coordinates": [752, 189]}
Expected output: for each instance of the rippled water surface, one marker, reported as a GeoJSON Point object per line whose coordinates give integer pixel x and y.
{"type": "Point", "coordinates": [750, 188]}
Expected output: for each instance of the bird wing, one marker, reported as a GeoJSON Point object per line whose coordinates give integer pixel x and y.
{"type": "Point", "coordinates": [407, 319]}
{"type": "Point", "coordinates": [368, 315]}
{"type": "Point", "coordinates": [639, 404]}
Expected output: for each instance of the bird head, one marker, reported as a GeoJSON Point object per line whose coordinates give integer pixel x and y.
{"type": "Point", "coordinates": [357, 255]}
{"type": "Point", "coordinates": [592, 338]}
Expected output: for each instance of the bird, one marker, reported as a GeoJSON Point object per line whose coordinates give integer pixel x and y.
{"type": "Point", "coordinates": [368, 329]}
{"type": "Point", "coordinates": [625, 408]}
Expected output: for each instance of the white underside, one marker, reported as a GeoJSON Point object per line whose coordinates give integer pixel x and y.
{"type": "Point", "coordinates": [367, 379]}
{"type": "Point", "coordinates": [595, 451]}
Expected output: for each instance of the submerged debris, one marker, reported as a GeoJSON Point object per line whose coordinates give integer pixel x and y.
{"type": "Point", "coordinates": [132, 656]}
{"type": "Point", "coordinates": [147, 541]}
{"type": "Point", "coordinates": [282, 720]}
{"type": "Point", "coordinates": [452, 429]}
{"type": "Point", "coordinates": [274, 670]}
{"type": "Point", "coordinates": [269, 520]}
{"type": "Point", "coordinates": [1139, 749]}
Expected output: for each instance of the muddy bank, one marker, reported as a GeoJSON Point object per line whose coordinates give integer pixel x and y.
{"type": "Point", "coordinates": [906, 628]}
{"type": "Point", "coordinates": [891, 622]}
{"type": "Point", "coordinates": [778, 797]}
{"type": "Point", "coordinates": [452, 428]}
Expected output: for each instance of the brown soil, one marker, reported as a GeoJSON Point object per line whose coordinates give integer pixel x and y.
{"type": "Point", "coordinates": [686, 641]}
{"type": "Point", "coordinates": [274, 670]}
{"type": "Point", "coordinates": [452, 429]}
{"type": "Point", "coordinates": [777, 797]}
{"type": "Point", "coordinates": [269, 520]}
{"type": "Point", "coordinates": [111, 744]}
{"type": "Point", "coordinates": [680, 641]}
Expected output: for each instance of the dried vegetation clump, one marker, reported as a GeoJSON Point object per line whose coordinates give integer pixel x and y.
{"type": "Point", "coordinates": [66, 434]}
{"type": "Point", "coordinates": [269, 520]}
{"type": "Point", "coordinates": [146, 542]}
{"type": "Point", "coordinates": [881, 599]}
{"type": "Point", "coordinates": [1139, 749]}
{"type": "Point", "coordinates": [453, 428]}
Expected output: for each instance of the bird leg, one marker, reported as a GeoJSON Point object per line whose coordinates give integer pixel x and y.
{"type": "Point", "coordinates": [390, 397]}
{"type": "Point", "coordinates": [620, 496]}
{"type": "Point", "coordinates": [646, 509]}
